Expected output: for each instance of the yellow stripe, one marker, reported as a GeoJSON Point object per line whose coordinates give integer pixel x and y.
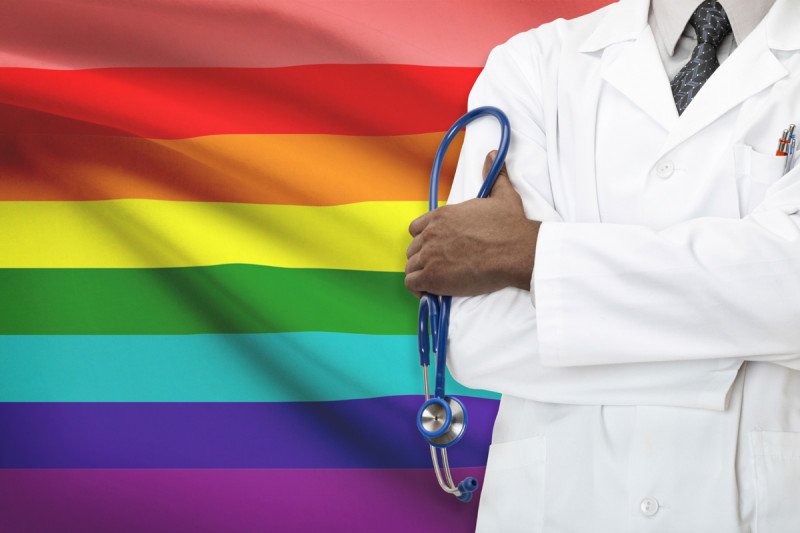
{"type": "Point", "coordinates": [157, 233]}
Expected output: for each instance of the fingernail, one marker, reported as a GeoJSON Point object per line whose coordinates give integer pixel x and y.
{"type": "Point", "coordinates": [493, 155]}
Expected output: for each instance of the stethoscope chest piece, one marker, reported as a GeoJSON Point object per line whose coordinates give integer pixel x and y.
{"type": "Point", "coordinates": [442, 421]}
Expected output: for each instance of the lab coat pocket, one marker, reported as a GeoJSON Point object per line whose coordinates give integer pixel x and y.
{"type": "Point", "coordinates": [776, 456]}
{"type": "Point", "coordinates": [513, 490]}
{"type": "Point", "coordinates": [755, 172]}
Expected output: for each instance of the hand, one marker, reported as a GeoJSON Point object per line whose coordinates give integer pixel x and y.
{"type": "Point", "coordinates": [475, 247]}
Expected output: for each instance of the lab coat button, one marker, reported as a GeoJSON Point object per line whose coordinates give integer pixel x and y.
{"type": "Point", "coordinates": [649, 506]}
{"type": "Point", "coordinates": [665, 169]}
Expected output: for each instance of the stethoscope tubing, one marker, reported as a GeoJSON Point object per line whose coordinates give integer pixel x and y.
{"type": "Point", "coordinates": [434, 316]}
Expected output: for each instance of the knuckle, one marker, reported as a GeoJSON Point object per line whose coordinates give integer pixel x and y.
{"type": "Point", "coordinates": [420, 256]}
{"type": "Point", "coordinates": [422, 281]}
{"type": "Point", "coordinates": [415, 225]}
{"type": "Point", "coordinates": [431, 271]}
{"type": "Point", "coordinates": [415, 243]}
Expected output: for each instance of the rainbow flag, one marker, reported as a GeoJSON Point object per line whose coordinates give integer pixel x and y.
{"type": "Point", "coordinates": [203, 323]}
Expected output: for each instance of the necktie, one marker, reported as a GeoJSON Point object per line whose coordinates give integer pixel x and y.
{"type": "Point", "coordinates": [711, 23]}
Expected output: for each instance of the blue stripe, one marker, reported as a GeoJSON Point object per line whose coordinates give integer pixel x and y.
{"type": "Point", "coordinates": [375, 433]}
{"type": "Point", "coordinates": [275, 367]}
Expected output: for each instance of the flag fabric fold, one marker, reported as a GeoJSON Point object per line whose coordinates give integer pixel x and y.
{"type": "Point", "coordinates": [203, 213]}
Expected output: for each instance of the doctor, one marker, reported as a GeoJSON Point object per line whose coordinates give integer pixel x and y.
{"type": "Point", "coordinates": [635, 296]}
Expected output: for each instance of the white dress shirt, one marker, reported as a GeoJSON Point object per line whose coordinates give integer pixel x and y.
{"type": "Point", "coordinates": [669, 20]}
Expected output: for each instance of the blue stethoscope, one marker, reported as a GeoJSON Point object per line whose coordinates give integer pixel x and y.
{"type": "Point", "coordinates": [442, 419]}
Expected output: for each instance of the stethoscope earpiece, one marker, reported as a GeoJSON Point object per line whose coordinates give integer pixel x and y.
{"type": "Point", "coordinates": [442, 419]}
{"type": "Point", "coordinates": [467, 487]}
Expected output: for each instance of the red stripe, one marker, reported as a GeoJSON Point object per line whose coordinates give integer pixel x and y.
{"type": "Point", "coordinates": [189, 102]}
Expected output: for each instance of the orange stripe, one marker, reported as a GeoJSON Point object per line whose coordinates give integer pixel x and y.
{"type": "Point", "coordinates": [271, 169]}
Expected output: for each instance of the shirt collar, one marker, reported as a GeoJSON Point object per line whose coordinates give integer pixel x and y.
{"type": "Point", "coordinates": [621, 21]}
{"type": "Point", "coordinates": [672, 16]}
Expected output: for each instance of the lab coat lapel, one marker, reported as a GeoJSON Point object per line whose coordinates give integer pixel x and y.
{"type": "Point", "coordinates": [630, 60]}
{"type": "Point", "coordinates": [751, 68]}
{"type": "Point", "coordinates": [581, 188]}
{"type": "Point", "coordinates": [782, 23]}
{"type": "Point", "coordinates": [638, 74]}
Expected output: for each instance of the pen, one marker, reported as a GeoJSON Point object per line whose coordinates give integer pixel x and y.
{"type": "Point", "coordinates": [791, 142]}
{"type": "Point", "coordinates": [782, 142]}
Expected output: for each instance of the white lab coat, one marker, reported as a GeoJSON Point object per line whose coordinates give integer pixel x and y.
{"type": "Point", "coordinates": [651, 379]}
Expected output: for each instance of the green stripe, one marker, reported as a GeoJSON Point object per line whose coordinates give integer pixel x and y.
{"type": "Point", "coordinates": [215, 299]}
{"type": "Point", "coordinates": [274, 367]}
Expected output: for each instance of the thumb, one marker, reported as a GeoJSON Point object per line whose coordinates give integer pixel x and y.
{"type": "Point", "coordinates": [489, 161]}
{"type": "Point", "coordinates": [502, 185]}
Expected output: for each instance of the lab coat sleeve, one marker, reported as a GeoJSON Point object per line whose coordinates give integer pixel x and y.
{"type": "Point", "coordinates": [706, 288]}
{"type": "Point", "coordinates": [508, 82]}
{"type": "Point", "coordinates": [493, 341]}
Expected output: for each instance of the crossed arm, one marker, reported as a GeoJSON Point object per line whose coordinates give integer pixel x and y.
{"type": "Point", "coordinates": [697, 297]}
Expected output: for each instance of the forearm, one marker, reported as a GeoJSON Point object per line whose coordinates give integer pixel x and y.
{"type": "Point", "coordinates": [494, 346]}
{"type": "Point", "coordinates": [707, 288]}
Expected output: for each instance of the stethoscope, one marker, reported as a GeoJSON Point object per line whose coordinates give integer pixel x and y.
{"type": "Point", "coordinates": [443, 419]}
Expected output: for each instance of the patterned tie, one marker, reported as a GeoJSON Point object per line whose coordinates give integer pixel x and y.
{"type": "Point", "coordinates": [711, 23]}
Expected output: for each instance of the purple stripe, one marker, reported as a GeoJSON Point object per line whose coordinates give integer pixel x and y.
{"type": "Point", "coordinates": [231, 500]}
{"type": "Point", "coordinates": [372, 433]}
